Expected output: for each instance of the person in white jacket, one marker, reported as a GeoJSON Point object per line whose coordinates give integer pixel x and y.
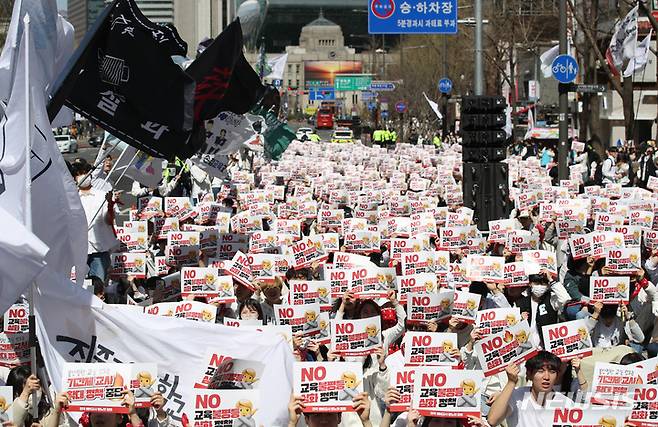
{"type": "Point", "coordinates": [609, 330]}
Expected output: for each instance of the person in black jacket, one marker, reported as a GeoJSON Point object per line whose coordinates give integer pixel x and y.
{"type": "Point", "coordinates": [539, 306]}
{"type": "Point", "coordinates": [646, 167]}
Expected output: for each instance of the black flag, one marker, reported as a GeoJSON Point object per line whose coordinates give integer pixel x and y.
{"type": "Point", "coordinates": [225, 80]}
{"type": "Point", "coordinates": [130, 86]}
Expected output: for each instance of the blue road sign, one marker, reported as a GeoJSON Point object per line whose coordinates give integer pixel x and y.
{"type": "Point", "coordinates": [372, 106]}
{"type": "Point", "coordinates": [277, 82]}
{"type": "Point", "coordinates": [384, 114]}
{"type": "Point", "coordinates": [565, 68]}
{"type": "Point", "coordinates": [321, 94]}
{"type": "Point", "coordinates": [382, 86]}
{"type": "Point", "coordinates": [412, 17]}
{"type": "Point", "coordinates": [365, 95]}
{"type": "Point", "coordinates": [445, 85]}
{"type": "Point", "coordinates": [400, 107]}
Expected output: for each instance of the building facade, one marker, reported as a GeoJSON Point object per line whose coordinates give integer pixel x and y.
{"type": "Point", "coordinates": [197, 20]}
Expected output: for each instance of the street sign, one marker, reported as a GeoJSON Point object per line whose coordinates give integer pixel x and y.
{"type": "Point", "coordinates": [372, 106]}
{"type": "Point", "coordinates": [321, 94]}
{"type": "Point", "coordinates": [412, 16]}
{"type": "Point", "coordinates": [401, 107]}
{"type": "Point", "coordinates": [586, 88]}
{"type": "Point", "coordinates": [352, 83]}
{"type": "Point", "coordinates": [384, 114]}
{"type": "Point", "coordinates": [382, 86]}
{"type": "Point", "coordinates": [277, 82]}
{"type": "Point", "coordinates": [565, 68]}
{"type": "Point", "coordinates": [368, 95]}
{"type": "Point", "coordinates": [445, 85]}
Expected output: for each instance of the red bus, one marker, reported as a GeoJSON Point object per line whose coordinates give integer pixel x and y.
{"type": "Point", "coordinates": [324, 119]}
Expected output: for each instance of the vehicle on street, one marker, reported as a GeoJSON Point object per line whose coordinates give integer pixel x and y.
{"type": "Point", "coordinates": [342, 136]}
{"type": "Point", "coordinates": [324, 119]}
{"type": "Point", "coordinates": [304, 134]}
{"type": "Point", "coordinates": [95, 141]}
{"type": "Point", "coordinates": [66, 144]}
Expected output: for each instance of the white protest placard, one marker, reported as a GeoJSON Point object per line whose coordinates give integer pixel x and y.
{"type": "Point", "coordinates": [544, 259]}
{"type": "Point", "coordinates": [14, 349]}
{"type": "Point", "coordinates": [301, 318]}
{"type": "Point", "coordinates": [612, 383]}
{"type": "Point", "coordinates": [204, 282]}
{"type": "Point", "coordinates": [623, 261]}
{"type": "Point", "coordinates": [465, 306]}
{"type": "Point", "coordinates": [240, 323]}
{"type": "Point", "coordinates": [575, 415]}
{"type": "Point", "coordinates": [265, 267]}
{"type": "Point", "coordinates": [483, 268]}
{"type": "Point", "coordinates": [402, 378]}
{"type": "Point", "coordinates": [581, 245]}
{"type": "Point", "coordinates": [442, 392]}
{"type": "Point", "coordinates": [650, 239]}
{"type": "Point", "coordinates": [645, 406]}
{"type": "Point", "coordinates": [98, 387]}
{"type": "Point", "coordinates": [495, 320]}
{"type": "Point", "coordinates": [191, 310]}
{"type": "Point", "coordinates": [356, 337]}
{"type": "Point", "coordinates": [609, 289]}
{"type": "Point", "coordinates": [224, 372]}
{"type": "Point", "coordinates": [652, 183]}
{"type": "Point", "coordinates": [422, 308]}
{"type": "Point", "coordinates": [430, 349]}
{"type": "Point", "coordinates": [331, 219]}
{"type": "Point", "coordinates": [452, 238]}
{"type": "Point", "coordinates": [307, 251]}
{"type": "Point", "coordinates": [606, 222]}
{"type": "Point", "coordinates": [568, 339]}
{"type": "Point", "coordinates": [602, 242]}
{"type": "Point", "coordinates": [240, 269]}
{"type": "Point", "coordinates": [499, 229]}
{"type": "Point", "coordinates": [6, 403]}
{"type": "Point", "coordinates": [183, 238]}
{"type": "Point", "coordinates": [423, 262]}
{"type": "Point", "coordinates": [16, 319]}
{"type": "Point", "coordinates": [370, 281]}
{"type": "Point", "coordinates": [225, 407]}
{"type": "Point", "coordinates": [310, 292]}
{"type": "Point", "coordinates": [327, 386]}
{"type": "Point", "coordinates": [496, 352]}
{"type": "Point", "coordinates": [641, 218]}
{"type": "Point", "coordinates": [648, 370]}
{"type": "Point", "coordinates": [515, 275]}
{"type": "Point", "coordinates": [262, 241]}
{"type": "Point", "coordinates": [162, 227]}
{"type": "Point", "coordinates": [417, 283]}
{"type": "Point", "coordinates": [179, 207]}
{"type": "Point", "coordinates": [520, 240]}
{"type": "Point", "coordinates": [349, 260]}
{"type": "Point", "coordinates": [180, 256]}
{"type": "Point", "coordinates": [125, 264]}
{"type": "Point", "coordinates": [362, 242]}
{"type": "Point", "coordinates": [149, 207]}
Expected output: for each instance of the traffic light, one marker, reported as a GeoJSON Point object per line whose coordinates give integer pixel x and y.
{"type": "Point", "coordinates": [485, 178]}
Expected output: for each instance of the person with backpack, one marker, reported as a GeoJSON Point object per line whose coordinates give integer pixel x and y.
{"type": "Point", "coordinates": [609, 167]}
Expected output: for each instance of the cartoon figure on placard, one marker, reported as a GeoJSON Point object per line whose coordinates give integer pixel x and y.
{"type": "Point", "coordinates": [226, 290]}
{"type": "Point", "coordinates": [468, 397]}
{"type": "Point", "coordinates": [471, 308]}
{"type": "Point", "coordinates": [620, 292]}
{"type": "Point", "coordinates": [373, 336]}
{"type": "Point", "coordinates": [248, 379]}
{"type": "Point", "coordinates": [209, 282]}
{"type": "Point", "coordinates": [145, 385]}
{"type": "Point", "coordinates": [446, 355]}
{"type": "Point", "coordinates": [324, 329]}
{"type": "Point", "coordinates": [511, 320]}
{"type": "Point", "coordinates": [350, 383]}
{"type": "Point", "coordinates": [431, 268]}
{"type": "Point", "coordinates": [445, 307]}
{"type": "Point", "coordinates": [584, 341]}
{"type": "Point", "coordinates": [206, 316]}
{"type": "Point", "coordinates": [390, 280]}
{"type": "Point", "coordinates": [382, 283]}
{"type": "Point", "coordinates": [323, 296]}
{"type": "Point", "coordinates": [429, 286]}
{"type": "Point", "coordinates": [4, 405]}
{"type": "Point", "coordinates": [311, 320]}
{"type": "Point", "coordinates": [267, 267]}
{"type": "Point", "coordinates": [495, 269]}
{"type": "Point", "coordinates": [522, 339]}
{"type": "Point", "coordinates": [608, 422]}
{"type": "Point", "coordinates": [247, 411]}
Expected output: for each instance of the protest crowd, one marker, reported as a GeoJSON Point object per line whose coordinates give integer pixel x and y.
{"type": "Point", "coordinates": [260, 283]}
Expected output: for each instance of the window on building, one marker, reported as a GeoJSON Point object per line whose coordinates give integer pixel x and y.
{"type": "Point", "coordinates": [297, 68]}
{"type": "Point", "coordinates": [225, 13]}
{"type": "Point", "coordinates": [297, 82]}
{"type": "Point", "coordinates": [289, 82]}
{"type": "Point", "coordinates": [290, 68]}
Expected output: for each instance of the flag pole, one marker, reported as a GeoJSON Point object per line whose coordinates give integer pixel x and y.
{"type": "Point", "coordinates": [28, 204]}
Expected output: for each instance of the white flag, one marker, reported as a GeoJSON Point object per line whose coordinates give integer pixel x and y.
{"type": "Point", "coordinates": [639, 61]}
{"type": "Point", "coordinates": [137, 165]}
{"type": "Point", "coordinates": [91, 331]}
{"type": "Point", "coordinates": [229, 133]}
{"type": "Point", "coordinates": [434, 106]}
{"type": "Point", "coordinates": [624, 40]}
{"type": "Point", "coordinates": [531, 124]}
{"type": "Point", "coordinates": [547, 59]}
{"type": "Point", "coordinates": [509, 128]}
{"type": "Point", "coordinates": [276, 67]}
{"type": "Point", "coordinates": [58, 218]}
{"type": "Point", "coordinates": [22, 258]}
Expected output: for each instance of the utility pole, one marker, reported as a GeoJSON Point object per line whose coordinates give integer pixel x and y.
{"type": "Point", "coordinates": [562, 149]}
{"type": "Point", "coordinates": [479, 72]}
{"type": "Point", "coordinates": [444, 130]}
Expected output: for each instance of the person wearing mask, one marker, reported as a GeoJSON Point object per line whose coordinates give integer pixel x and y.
{"type": "Point", "coordinates": [99, 210]}
{"type": "Point", "coordinates": [624, 174]}
{"type": "Point", "coordinates": [523, 406]}
{"type": "Point", "coordinates": [25, 386]}
{"type": "Point", "coordinates": [646, 167]}
{"type": "Point", "coordinates": [540, 307]}
{"type": "Point", "coordinates": [361, 405]}
{"type": "Point", "coordinates": [99, 175]}
{"type": "Point", "coordinates": [250, 310]}
{"type": "Point", "coordinates": [609, 167]}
